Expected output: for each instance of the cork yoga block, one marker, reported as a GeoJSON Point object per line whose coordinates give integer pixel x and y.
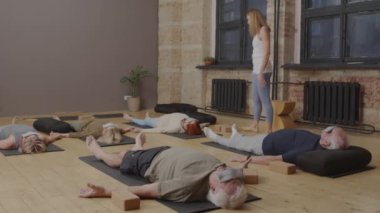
{"type": "Point", "coordinates": [125, 200]}
{"type": "Point", "coordinates": [251, 176]}
{"type": "Point", "coordinates": [282, 167]}
{"type": "Point", "coordinates": [222, 128]}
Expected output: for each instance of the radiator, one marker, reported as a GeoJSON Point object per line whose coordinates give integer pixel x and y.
{"type": "Point", "coordinates": [229, 95]}
{"type": "Point", "coordinates": [331, 102]}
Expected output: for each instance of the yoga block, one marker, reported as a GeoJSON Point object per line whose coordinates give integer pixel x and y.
{"type": "Point", "coordinates": [223, 128]}
{"type": "Point", "coordinates": [251, 177]}
{"type": "Point", "coordinates": [282, 167]}
{"type": "Point", "coordinates": [125, 200]}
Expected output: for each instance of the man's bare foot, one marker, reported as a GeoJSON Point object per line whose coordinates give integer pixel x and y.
{"type": "Point", "coordinates": [94, 147]}
{"type": "Point", "coordinates": [147, 115]}
{"type": "Point", "coordinates": [139, 142]}
{"type": "Point", "coordinates": [56, 117]}
{"type": "Point", "coordinates": [252, 128]}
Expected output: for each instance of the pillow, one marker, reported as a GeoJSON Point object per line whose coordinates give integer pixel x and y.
{"type": "Point", "coordinates": [333, 162]}
{"type": "Point", "coordinates": [47, 125]}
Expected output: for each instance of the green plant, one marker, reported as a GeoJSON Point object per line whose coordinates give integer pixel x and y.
{"type": "Point", "coordinates": [134, 79]}
{"type": "Point", "coordinates": [208, 58]}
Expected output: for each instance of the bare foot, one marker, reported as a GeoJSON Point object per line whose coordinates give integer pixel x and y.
{"type": "Point", "coordinates": [56, 117]}
{"type": "Point", "coordinates": [252, 128]}
{"type": "Point", "coordinates": [139, 142]}
{"type": "Point", "coordinates": [147, 115]}
{"type": "Point", "coordinates": [94, 147]}
{"type": "Point", "coordinates": [126, 116]}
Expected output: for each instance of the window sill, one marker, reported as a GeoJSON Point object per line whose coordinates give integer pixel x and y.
{"type": "Point", "coordinates": [225, 67]}
{"type": "Point", "coordinates": [324, 66]}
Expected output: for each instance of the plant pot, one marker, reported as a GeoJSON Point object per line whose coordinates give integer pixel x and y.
{"type": "Point", "coordinates": [133, 104]}
{"type": "Point", "coordinates": [209, 62]}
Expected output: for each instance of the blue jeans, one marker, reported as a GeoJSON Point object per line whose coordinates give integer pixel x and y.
{"type": "Point", "coordinates": [147, 121]}
{"type": "Point", "coordinates": [261, 98]}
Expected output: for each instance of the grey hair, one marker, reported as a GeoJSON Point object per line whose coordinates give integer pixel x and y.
{"type": "Point", "coordinates": [221, 199]}
{"type": "Point", "coordinates": [337, 142]}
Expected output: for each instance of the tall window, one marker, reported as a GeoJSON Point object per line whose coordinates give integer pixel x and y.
{"type": "Point", "coordinates": [233, 42]}
{"type": "Point", "coordinates": [341, 31]}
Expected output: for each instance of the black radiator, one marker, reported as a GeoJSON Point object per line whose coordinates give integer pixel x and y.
{"type": "Point", "coordinates": [229, 95]}
{"type": "Point", "coordinates": [331, 102]}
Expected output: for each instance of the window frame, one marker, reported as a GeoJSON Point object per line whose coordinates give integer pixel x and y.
{"type": "Point", "coordinates": [240, 25]}
{"type": "Point", "coordinates": [342, 11]}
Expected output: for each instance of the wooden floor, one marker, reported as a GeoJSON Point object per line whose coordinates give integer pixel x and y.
{"type": "Point", "coordinates": [50, 182]}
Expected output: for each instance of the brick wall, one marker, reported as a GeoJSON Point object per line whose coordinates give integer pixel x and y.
{"type": "Point", "coordinates": [185, 32]}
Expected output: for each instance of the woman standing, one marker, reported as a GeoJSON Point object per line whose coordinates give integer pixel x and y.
{"type": "Point", "coordinates": [262, 69]}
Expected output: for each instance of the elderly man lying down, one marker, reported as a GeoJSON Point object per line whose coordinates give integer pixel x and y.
{"type": "Point", "coordinates": [282, 145]}
{"type": "Point", "coordinates": [175, 174]}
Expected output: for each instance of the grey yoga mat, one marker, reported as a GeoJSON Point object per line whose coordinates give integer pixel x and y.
{"type": "Point", "coordinates": [216, 145]}
{"type": "Point", "coordinates": [132, 180]}
{"type": "Point", "coordinates": [177, 135]}
{"type": "Point", "coordinates": [50, 148]}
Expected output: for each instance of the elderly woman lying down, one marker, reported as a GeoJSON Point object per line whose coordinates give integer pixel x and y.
{"type": "Point", "coordinates": [168, 123]}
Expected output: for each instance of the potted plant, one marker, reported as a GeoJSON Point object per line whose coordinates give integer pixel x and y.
{"type": "Point", "coordinates": [209, 60]}
{"type": "Point", "coordinates": [134, 80]}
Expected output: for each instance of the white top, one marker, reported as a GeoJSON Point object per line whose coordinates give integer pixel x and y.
{"type": "Point", "coordinates": [257, 56]}
{"type": "Point", "coordinates": [168, 123]}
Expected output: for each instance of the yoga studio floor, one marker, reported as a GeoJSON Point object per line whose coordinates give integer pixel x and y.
{"type": "Point", "coordinates": [50, 182]}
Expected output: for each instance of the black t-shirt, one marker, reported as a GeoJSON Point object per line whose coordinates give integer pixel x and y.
{"type": "Point", "coordinates": [290, 143]}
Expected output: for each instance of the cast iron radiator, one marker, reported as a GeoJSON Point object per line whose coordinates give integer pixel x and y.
{"type": "Point", "coordinates": [331, 102]}
{"type": "Point", "coordinates": [229, 95]}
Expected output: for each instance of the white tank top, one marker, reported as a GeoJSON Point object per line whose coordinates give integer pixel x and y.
{"type": "Point", "coordinates": [257, 56]}
{"type": "Point", "coordinates": [258, 47]}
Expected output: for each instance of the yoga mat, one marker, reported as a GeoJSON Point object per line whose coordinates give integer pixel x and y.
{"type": "Point", "coordinates": [132, 180]}
{"type": "Point", "coordinates": [50, 148]}
{"type": "Point", "coordinates": [114, 115]}
{"type": "Point", "coordinates": [69, 117]}
{"type": "Point", "coordinates": [352, 172]}
{"type": "Point", "coordinates": [177, 135]}
{"type": "Point", "coordinates": [216, 145]}
{"type": "Point", "coordinates": [124, 141]}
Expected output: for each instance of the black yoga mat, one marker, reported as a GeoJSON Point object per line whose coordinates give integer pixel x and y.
{"type": "Point", "coordinates": [177, 135]}
{"type": "Point", "coordinates": [132, 180]}
{"type": "Point", "coordinates": [216, 145]}
{"type": "Point", "coordinates": [124, 141]}
{"type": "Point", "coordinates": [113, 115]}
{"type": "Point", "coordinates": [69, 117]}
{"type": "Point", "coordinates": [352, 172]}
{"type": "Point", "coordinates": [50, 148]}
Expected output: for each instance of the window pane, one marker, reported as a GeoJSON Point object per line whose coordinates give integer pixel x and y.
{"type": "Point", "coordinates": [248, 46]}
{"type": "Point", "coordinates": [357, 1]}
{"type": "Point", "coordinates": [258, 4]}
{"type": "Point", "coordinates": [229, 45]}
{"type": "Point", "coordinates": [230, 10]}
{"type": "Point", "coordinates": [363, 35]}
{"type": "Point", "coordinates": [324, 38]}
{"type": "Point", "coordinates": [323, 3]}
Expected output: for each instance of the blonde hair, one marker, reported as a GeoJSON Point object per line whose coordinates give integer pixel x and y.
{"type": "Point", "coordinates": [110, 135]}
{"type": "Point", "coordinates": [256, 21]}
{"type": "Point", "coordinates": [32, 145]}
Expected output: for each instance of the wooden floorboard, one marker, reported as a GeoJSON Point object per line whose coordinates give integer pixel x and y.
{"type": "Point", "coordinates": [50, 182]}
